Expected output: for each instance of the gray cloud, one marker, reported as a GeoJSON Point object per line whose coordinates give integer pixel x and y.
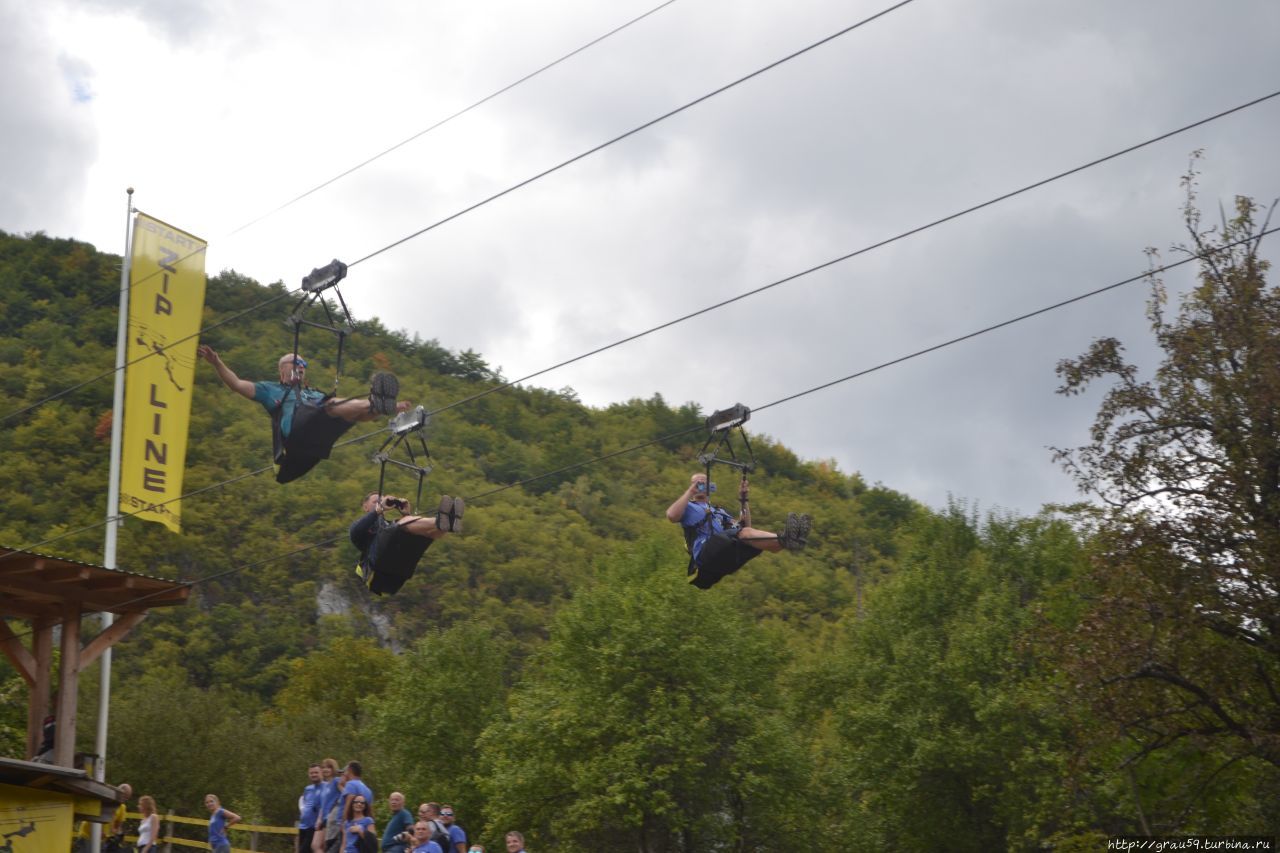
{"type": "Point", "coordinates": [930, 110]}
{"type": "Point", "coordinates": [48, 137]}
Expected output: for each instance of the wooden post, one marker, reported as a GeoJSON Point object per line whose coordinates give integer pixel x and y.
{"type": "Point", "coordinates": [41, 690]}
{"type": "Point", "coordinates": [64, 741]}
{"type": "Point", "coordinates": [168, 845]}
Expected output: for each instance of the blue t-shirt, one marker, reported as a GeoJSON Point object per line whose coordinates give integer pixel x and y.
{"type": "Point", "coordinates": [695, 514]}
{"type": "Point", "coordinates": [269, 394]}
{"type": "Point", "coordinates": [365, 822]}
{"type": "Point", "coordinates": [310, 806]}
{"type": "Point", "coordinates": [429, 847]}
{"type": "Point", "coordinates": [353, 787]}
{"type": "Point", "coordinates": [218, 829]}
{"type": "Point", "coordinates": [329, 794]}
{"type": "Point", "coordinates": [456, 834]}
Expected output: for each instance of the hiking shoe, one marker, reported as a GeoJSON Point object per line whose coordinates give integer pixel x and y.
{"type": "Point", "coordinates": [449, 515]}
{"type": "Point", "coordinates": [383, 388]}
{"type": "Point", "coordinates": [795, 533]}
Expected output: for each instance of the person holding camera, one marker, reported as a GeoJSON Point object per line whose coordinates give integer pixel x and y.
{"type": "Point", "coordinates": [387, 558]}
{"type": "Point", "coordinates": [399, 833]}
{"type": "Point", "coordinates": [720, 544]}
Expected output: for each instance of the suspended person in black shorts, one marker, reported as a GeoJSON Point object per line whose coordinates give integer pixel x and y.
{"type": "Point", "coordinates": [306, 422]}
{"type": "Point", "coordinates": [390, 550]}
{"type": "Point", "coordinates": [720, 544]}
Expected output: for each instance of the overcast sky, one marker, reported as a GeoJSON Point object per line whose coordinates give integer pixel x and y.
{"type": "Point", "coordinates": [219, 111]}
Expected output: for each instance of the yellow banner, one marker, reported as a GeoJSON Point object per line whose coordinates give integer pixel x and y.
{"type": "Point", "coordinates": [166, 303]}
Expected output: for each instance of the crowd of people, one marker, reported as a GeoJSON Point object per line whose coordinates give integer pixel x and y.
{"type": "Point", "coordinates": [336, 814]}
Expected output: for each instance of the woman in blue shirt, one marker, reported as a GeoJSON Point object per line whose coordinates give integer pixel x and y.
{"type": "Point", "coordinates": [219, 820]}
{"type": "Point", "coordinates": [356, 821]}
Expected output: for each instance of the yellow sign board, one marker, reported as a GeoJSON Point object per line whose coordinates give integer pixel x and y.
{"type": "Point", "coordinates": [33, 821]}
{"type": "Point", "coordinates": [166, 304]}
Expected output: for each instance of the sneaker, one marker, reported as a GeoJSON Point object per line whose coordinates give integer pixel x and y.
{"type": "Point", "coordinates": [449, 515]}
{"type": "Point", "coordinates": [383, 388]}
{"type": "Point", "coordinates": [796, 532]}
{"type": "Point", "coordinates": [806, 524]}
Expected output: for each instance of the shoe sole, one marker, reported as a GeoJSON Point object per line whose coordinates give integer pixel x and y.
{"type": "Point", "coordinates": [383, 390]}
{"type": "Point", "coordinates": [442, 514]}
{"type": "Point", "coordinates": [455, 519]}
{"type": "Point", "coordinates": [795, 531]}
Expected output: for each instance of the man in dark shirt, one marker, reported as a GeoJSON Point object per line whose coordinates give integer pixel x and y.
{"type": "Point", "coordinates": [383, 544]}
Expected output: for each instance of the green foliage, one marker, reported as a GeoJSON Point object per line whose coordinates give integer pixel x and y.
{"type": "Point", "coordinates": [933, 704]}
{"type": "Point", "coordinates": [1179, 649]}
{"type": "Point", "coordinates": [912, 681]}
{"type": "Point", "coordinates": [440, 696]}
{"type": "Point", "coordinates": [647, 722]}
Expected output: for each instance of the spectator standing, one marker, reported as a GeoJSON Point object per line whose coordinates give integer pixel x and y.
{"type": "Point", "coordinates": [329, 825]}
{"type": "Point", "coordinates": [430, 812]}
{"type": "Point", "coordinates": [457, 835]}
{"type": "Point", "coordinates": [149, 827]}
{"type": "Point", "coordinates": [399, 826]}
{"type": "Point", "coordinates": [220, 820]}
{"type": "Point", "coordinates": [357, 821]}
{"type": "Point", "coordinates": [353, 786]}
{"type": "Point", "coordinates": [422, 842]}
{"type": "Point", "coordinates": [515, 842]}
{"type": "Point", "coordinates": [309, 809]}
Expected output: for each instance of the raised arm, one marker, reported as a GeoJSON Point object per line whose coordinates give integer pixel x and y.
{"type": "Point", "coordinates": [243, 387]}
{"type": "Point", "coordinates": [675, 512]}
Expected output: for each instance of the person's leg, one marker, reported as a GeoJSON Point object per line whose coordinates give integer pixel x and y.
{"type": "Point", "coordinates": [722, 555]}
{"type": "Point", "coordinates": [761, 540]}
{"type": "Point", "coordinates": [421, 526]}
{"type": "Point", "coordinates": [383, 390]}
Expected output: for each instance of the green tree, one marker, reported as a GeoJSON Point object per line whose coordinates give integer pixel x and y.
{"type": "Point", "coordinates": [648, 722]}
{"type": "Point", "coordinates": [1181, 646]}
{"type": "Point", "coordinates": [178, 742]}
{"type": "Point", "coordinates": [440, 697]}
{"type": "Point", "coordinates": [942, 738]}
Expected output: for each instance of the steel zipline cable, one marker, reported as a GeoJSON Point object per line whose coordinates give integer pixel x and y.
{"type": "Point", "coordinates": [458, 114]}
{"type": "Point", "coordinates": [700, 427]}
{"type": "Point", "coordinates": [741, 296]}
{"type": "Point", "coordinates": [648, 124]}
{"type": "Point", "coordinates": [778, 282]}
{"type": "Point", "coordinates": [115, 292]}
{"type": "Point", "coordinates": [494, 197]}
{"type": "Point", "coordinates": [865, 249]}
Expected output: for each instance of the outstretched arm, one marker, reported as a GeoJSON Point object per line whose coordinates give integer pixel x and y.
{"type": "Point", "coordinates": [243, 387]}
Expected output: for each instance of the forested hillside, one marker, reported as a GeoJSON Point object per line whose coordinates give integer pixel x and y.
{"type": "Point", "coordinates": [913, 680]}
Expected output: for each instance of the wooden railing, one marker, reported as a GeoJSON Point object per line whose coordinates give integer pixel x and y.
{"type": "Point", "coordinates": [167, 839]}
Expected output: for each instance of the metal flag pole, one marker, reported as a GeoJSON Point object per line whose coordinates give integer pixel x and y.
{"type": "Point", "coordinates": [113, 499]}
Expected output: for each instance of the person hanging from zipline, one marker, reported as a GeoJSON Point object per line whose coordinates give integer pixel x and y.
{"type": "Point", "coordinates": [305, 422]}
{"type": "Point", "coordinates": [390, 550]}
{"type": "Point", "coordinates": [720, 544]}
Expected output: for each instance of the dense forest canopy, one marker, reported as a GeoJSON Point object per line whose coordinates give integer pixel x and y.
{"type": "Point", "coordinates": [913, 680]}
